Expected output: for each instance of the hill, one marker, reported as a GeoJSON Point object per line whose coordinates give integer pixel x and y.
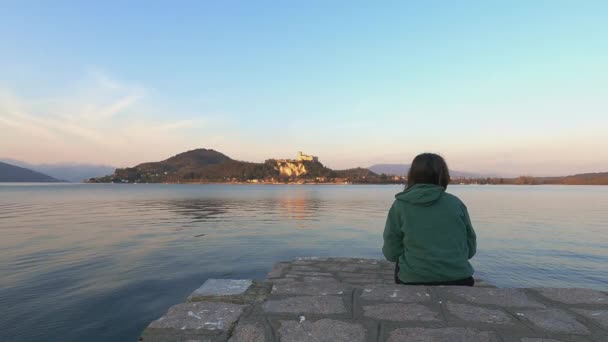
{"type": "Point", "coordinates": [71, 172]}
{"type": "Point", "coordinates": [391, 169]}
{"type": "Point", "coordinates": [207, 165]}
{"type": "Point", "coordinates": [12, 173]}
{"type": "Point", "coordinates": [598, 178]}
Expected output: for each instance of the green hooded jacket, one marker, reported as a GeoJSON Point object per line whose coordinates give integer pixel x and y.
{"type": "Point", "coordinates": [429, 232]}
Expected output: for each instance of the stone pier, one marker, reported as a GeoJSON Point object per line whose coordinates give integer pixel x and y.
{"type": "Point", "coordinates": [351, 300]}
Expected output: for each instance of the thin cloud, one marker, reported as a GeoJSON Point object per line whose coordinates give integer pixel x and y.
{"type": "Point", "coordinates": [117, 107]}
{"type": "Point", "coordinates": [110, 126]}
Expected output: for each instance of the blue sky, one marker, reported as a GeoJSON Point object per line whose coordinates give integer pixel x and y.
{"type": "Point", "coordinates": [510, 87]}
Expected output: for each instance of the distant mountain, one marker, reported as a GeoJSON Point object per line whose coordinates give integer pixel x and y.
{"type": "Point", "coordinates": [597, 178]}
{"type": "Point", "coordinates": [12, 173]}
{"type": "Point", "coordinates": [203, 165]}
{"type": "Point", "coordinates": [391, 169]}
{"type": "Point", "coordinates": [357, 172]}
{"type": "Point", "coordinates": [72, 172]}
{"type": "Point", "coordinates": [403, 169]}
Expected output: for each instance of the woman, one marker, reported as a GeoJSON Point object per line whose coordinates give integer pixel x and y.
{"type": "Point", "coordinates": [428, 232]}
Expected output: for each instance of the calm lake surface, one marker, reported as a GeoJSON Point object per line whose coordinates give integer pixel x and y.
{"type": "Point", "coordinates": [98, 262]}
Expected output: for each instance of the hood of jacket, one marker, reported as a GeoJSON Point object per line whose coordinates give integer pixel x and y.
{"type": "Point", "coordinates": [421, 194]}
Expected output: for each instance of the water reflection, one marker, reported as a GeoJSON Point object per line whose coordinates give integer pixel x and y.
{"type": "Point", "coordinates": [199, 210]}
{"type": "Point", "coordinates": [301, 208]}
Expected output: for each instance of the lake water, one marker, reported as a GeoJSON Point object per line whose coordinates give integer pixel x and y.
{"type": "Point", "coordinates": [98, 262]}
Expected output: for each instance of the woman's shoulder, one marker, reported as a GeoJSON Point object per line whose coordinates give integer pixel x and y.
{"type": "Point", "coordinates": [454, 199]}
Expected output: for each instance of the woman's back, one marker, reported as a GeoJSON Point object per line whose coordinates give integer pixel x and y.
{"type": "Point", "coordinates": [436, 233]}
{"type": "Point", "coordinates": [428, 232]}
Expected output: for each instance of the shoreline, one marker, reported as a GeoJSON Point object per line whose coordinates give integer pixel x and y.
{"type": "Point", "coordinates": [276, 183]}
{"type": "Point", "coordinates": [326, 183]}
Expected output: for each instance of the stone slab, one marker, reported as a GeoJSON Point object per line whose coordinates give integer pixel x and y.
{"type": "Point", "coordinates": [441, 335]}
{"type": "Point", "coordinates": [324, 330]}
{"type": "Point", "coordinates": [305, 268]}
{"type": "Point", "coordinates": [309, 274]}
{"type": "Point", "coordinates": [355, 261]}
{"type": "Point", "coordinates": [400, 312]}
{"type": "Point", "coordinates": [321, 305]}
{"type": "Point", "coordinates": [478, 314]}
{"type": "Point", "coordinates": [302, 262]}
{"type": "Point", "coordinates": [483, 283]}
{"type": "Point", "coordinates": [334, 267]}
{"type": "Point", "coordinates": [201, 316]}
{"type": "Point", "coordinates": [554, 320]}
{"type": "Point", "coordinates": [598, 316]}
{"type": "Point", "coordinates": [312, 258]}
{"type": "Point", "coordinates": [310, 288]}
{"type": "Point", "coordinates": [222, 287]}
{"type": "Point", "coordinates": [256, 292]}
{"type": "Point", "coordinates": [248, 332]}
{"type": "Point", "coordinates": [395, 293]}
{"type": "Point", "coordinates": [527, 339]}
{"type": "Point", "coordinates": [369, 268]}
{"type": "Point", "coordinates": [313, 279]}
{"type": "Point", "coordinates": [500, 297]}
{"type": "Point", "coordinates": [574, 296]}
{"type": "Point", "coordinates": [283, 280]}
{"type": "Point", "coordinates": [364, 281]}
{"type": "Point", "coordinates": [277, 270]}
{"type": "Point", "coordinates": [358, 275]}
{"type": "Point", "coordinates": [350, 268]}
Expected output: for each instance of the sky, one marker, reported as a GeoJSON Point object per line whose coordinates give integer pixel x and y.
{"type": "Point", "coordinates": [502, 87]}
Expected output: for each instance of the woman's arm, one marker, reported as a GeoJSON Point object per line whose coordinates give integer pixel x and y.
{"type": "Point", "coordinates": [471, 236]}
{"type": "Point", "coordinates": [393, 236]}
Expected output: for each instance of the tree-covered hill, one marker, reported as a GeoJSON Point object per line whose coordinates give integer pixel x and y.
{"type": "Point", "coordinates": [207, 165]}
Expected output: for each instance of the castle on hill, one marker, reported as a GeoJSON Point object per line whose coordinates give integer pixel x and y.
{"type": "Point", "coordinates": [301, 157]}
{"type": "Point", "coordinates": [295, 168]}
{"type": "Point", "coordinates": [306, 157]}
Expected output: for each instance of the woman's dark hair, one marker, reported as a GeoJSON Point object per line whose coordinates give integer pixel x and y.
{"type": "Point", "coordinates": [428, 168]}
